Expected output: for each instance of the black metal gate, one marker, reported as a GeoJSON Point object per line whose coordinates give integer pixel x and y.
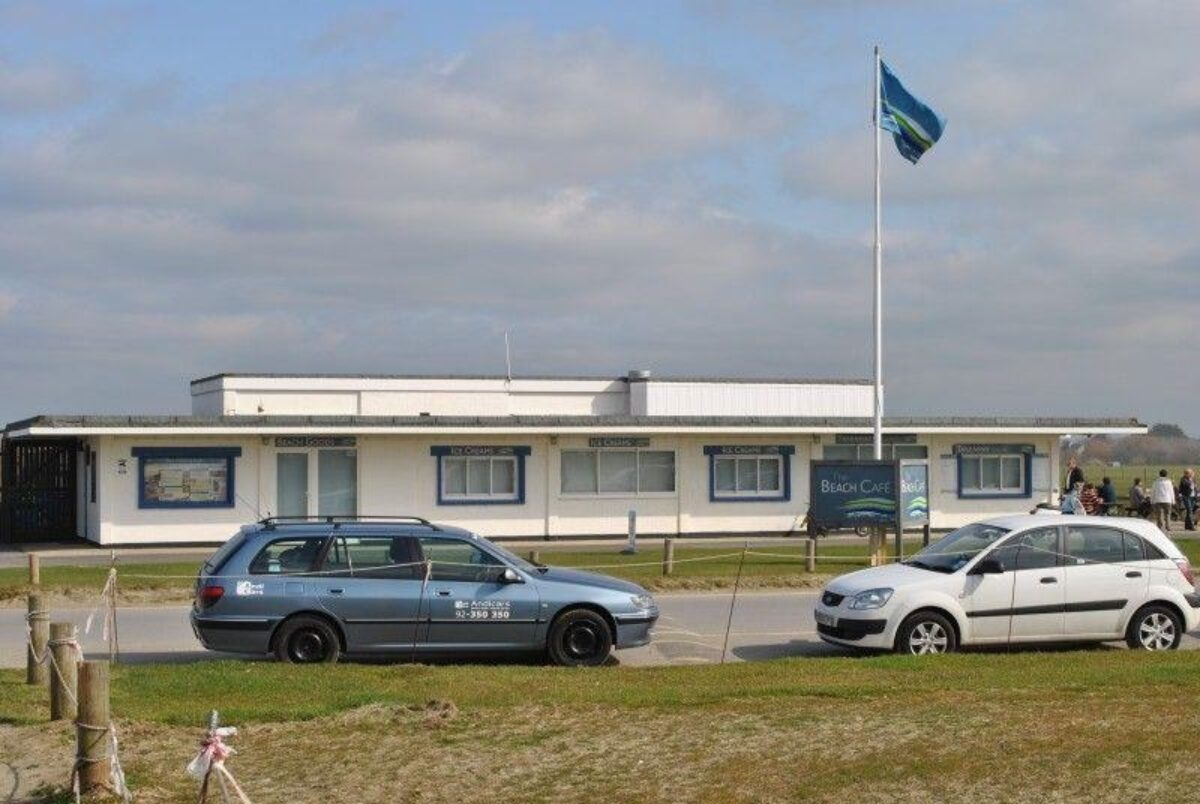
{"type": "Point", "coordinates": [38, 484]}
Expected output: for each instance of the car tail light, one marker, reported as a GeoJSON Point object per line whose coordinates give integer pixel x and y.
{"type": "Point", "coordinates": [1186, 568]}
{"type": "Point", "coordinates": [209, 595]}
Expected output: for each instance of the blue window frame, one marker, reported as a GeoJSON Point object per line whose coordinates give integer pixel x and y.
{"type": "Point", "coordinates": [186, 477]}
{"type": "Point", "coordinates": [994, 471]}
{"type": "Point", "coordinates": [750, 473]}
{"type": "Point", "coordinates": [480, 475]}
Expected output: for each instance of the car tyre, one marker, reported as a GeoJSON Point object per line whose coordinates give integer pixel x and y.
{"type": "Point", "coordinates": [579, 638]}
{"type": "Point", "coordinates": [926, 632]}
{"type": "Point", "coordinates": [1154, 628]}
{"type": "Point", "coordinates": [307, 640]}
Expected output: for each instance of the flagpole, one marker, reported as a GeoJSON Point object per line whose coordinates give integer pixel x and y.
{"type": "Point", "coordinates": [878, 422]}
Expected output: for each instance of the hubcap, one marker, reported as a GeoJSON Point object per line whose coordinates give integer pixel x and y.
{"type": "Point", "coordinates": [1156, 632]}
{"type": "Point", "coordinates": [581, 641]}
{"type": "Point", "coordinates": [308, 646]}
{"type": "Point", "coordinates": [928, 637]}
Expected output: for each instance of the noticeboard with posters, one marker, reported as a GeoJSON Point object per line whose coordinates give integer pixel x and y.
{"type": "Point", "coordinates": [851, 494]}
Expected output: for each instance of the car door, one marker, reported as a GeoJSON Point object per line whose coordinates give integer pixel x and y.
{"type": "Point", "coordinates": [468, 603]}
{"type": "Point", "coordinates": [1038, 588]}
{"type": "Point", "coordinates": [372, 584]}
{"type": "Point", "coordinates": [1102, 590]}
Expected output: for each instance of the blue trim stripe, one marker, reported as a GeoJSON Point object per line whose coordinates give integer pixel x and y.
{"type": "Point", "coordinates": [782, 451]}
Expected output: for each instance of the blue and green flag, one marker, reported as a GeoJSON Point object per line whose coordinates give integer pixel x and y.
{"type": "Point", "coordinates": [914, 126]}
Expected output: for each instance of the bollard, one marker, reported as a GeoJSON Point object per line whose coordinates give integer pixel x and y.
{"type": "Point", "coordinates": [668, 565]}
{"type": "Point", "coordinates": [534, 555]}
{"type": "Point", "coordinates": [35, 570]}
{"type": "Point", "coordinates": [36, 672]}
{"type": "Point", "coordinates": [62, 680]}
{"type": "Point", "coordinates": [631, 546]}
{"type": "Point", "coordinates": [925, 535]}
{"type": "Point", "coordinates": [92, 725]}
{"type": "Point", "coordinates": [810, 555]}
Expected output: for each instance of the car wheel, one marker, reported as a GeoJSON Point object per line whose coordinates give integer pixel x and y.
{"type": "Point", "coordinates": [926, 632]}
{"type": "Point", "coordinates": [307, 640]}
{"type": "Point", "coordinates": [1154, 628]}
{"type": "Point", "coordinates": [579, 638]}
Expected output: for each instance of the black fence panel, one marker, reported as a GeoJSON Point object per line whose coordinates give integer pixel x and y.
{"type": "Point", "coordinates": [38, 499]}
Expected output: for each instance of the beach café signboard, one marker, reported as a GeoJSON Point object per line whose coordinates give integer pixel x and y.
{"type": "Point", "coordinates": [849, 494]}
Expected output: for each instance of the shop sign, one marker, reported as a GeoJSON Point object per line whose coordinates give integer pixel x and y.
{"type": "Point", "coordinates": [847, 494]}
{"type": "Point", "coordinates": [311, 442]}
{"type": "Point", "coordinates": [619, 441]}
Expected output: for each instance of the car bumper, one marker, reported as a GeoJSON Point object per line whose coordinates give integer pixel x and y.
{"type": "Point", "coordinates": [233, 634]}
{"type": "Point", "coordinates": [868, 632]}
{"type": "Point", "coordinates": [633, 630]}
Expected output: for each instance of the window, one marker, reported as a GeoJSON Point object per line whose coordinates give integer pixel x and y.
{"type": "Point", "coordinates": [392, 557]}
{"type": "Point", "coordinates": [618, 471]}
{"type": "Point", "coordinates": [866, 452]}
{"type": "Point", "coordinates": [288, 556]}
{"type": "Point", "coordinates": [993, 475]}
{"type": "Point", "coordinates": [186, 477]}
{"type": "Point", "coordinates": [748, 473]}
{"type": "Point", "coordinates": [1087, 545]}
{"type": "Point", "coordinates": [480, 475]}
{"type": "Point", "coordinates": [457, 560]}
{"type": "Point", "coordinates": [1135, 550]}
{"type": "Point", "coordinates": [1037, 550]}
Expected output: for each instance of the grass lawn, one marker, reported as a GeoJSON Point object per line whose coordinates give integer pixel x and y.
{"type": "Point", "coordinates": [1094, 725]}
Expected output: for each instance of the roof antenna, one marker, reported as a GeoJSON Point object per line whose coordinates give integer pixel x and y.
{"type": "Point", "coordinates": [507, 359]}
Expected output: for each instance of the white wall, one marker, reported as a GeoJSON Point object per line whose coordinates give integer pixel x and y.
{"type": "Point", "coordinates": [752, 399]}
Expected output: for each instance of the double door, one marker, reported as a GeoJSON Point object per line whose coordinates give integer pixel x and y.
{"type": "Point", "coordinates": [316, 482]}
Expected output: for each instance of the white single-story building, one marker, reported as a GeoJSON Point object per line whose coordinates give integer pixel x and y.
{"type": "Point", "coordinates": [529, 456]}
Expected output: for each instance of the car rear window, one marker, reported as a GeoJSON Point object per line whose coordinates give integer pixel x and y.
{"type": "Point", "coordinates": [391, 557]}
{"type": "Point", "coordinates": [1095, 545]}
{"type": "Point", "coordinates": [288, 556]}
{"type": "Point", "coordinates": [217, 560]}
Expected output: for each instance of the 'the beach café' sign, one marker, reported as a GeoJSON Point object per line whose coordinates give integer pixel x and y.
{"type": "Point", "coordinates": [847, 494]}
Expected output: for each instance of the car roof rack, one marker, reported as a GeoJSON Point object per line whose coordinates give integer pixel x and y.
{"type": "Point", "coordinates": [339, 519]}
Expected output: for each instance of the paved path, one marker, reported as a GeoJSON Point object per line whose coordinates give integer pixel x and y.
{"type": "Point", "coordinates": [691, 631]}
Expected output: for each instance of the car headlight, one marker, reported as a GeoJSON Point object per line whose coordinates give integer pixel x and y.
{"type": "Point", "coordinates": [642, 601]}
{"type": "Point", "coordinates": [871, 599]}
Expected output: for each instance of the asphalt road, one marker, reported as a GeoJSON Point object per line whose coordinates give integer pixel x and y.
{"type": "Point", "coordinates": [691, 631]}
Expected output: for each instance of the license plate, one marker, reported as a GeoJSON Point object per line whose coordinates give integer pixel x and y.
{"type": "Point", "coordinates": [824, 619]}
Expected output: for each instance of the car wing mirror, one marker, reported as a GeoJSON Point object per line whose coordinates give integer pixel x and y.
{"type": "Point", "coordinates": [510, 575]}
{"type": "Point", "coordinates": [988, 566]}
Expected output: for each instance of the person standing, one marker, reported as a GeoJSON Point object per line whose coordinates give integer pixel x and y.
{"type": "Point", "coordinates": [1108, 496]}
{"type": "Point", "coordinates": [1187, 494]}
{"type": "Point", "coordinates": [1074, 474]}
{"type": "Point", "coordinates": [1139, 500]}
{"type": "Point", "coordinates": [1162, 495]}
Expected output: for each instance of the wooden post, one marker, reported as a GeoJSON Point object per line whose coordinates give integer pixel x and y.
{"type": "Point", "coordinates": [899, 542]}
{"type": "Point", "coordinates": [925, 535]}
{"type": "Point", "coordinates": [62, 681]}
{"type": "Point", "coordinates": [92, 724]}
{"type": "Point", "coordinates": [876, 547]}
{"type": "Point", "coordinates": [114, 647]}
{"type": "Point", "coordinates": [534, 555]}
{"type": "Point", "coordinates": [39, 634]}
{"type": "Point", "coordinates": [630, 548]}
{"type": "Point", "coordinates": [668, 564]}
{"type": "Point", "coordinates": [35, 570]}
{"type": "Point", "coordinates": [810, 555]}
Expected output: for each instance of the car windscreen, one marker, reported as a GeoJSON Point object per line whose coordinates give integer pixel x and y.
{"type": "Point", "coordinates": [511, 557]}
{"type": "Point", "coordinates": [955, 549]}
{"type": "Point", "coordinates": [217, 560]}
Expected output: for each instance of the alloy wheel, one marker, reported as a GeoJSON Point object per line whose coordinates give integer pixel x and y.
{"type": "Point", "coordinates": [1156, 631]}
{"type": "Point", "coordinates": [928, 637]}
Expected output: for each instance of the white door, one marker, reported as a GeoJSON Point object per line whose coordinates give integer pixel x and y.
{"type": "Point", "coordinates": [1102, 589]}
{"type": "Point", "coordinates": [332, 472]}
{"type": "Point", "coordinates": [1038, 588]}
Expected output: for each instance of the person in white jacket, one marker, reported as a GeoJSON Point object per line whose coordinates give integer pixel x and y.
{"type": "Point", "coordinates": [1163, 496]}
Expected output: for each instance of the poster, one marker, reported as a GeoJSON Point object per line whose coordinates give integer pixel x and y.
{"type": "Point", "coordinates": [185, 480]}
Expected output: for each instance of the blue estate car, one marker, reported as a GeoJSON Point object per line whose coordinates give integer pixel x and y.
{"type": "Point", "coordinates": [309, 589]}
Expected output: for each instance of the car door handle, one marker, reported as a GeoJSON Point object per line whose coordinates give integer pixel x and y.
{"type": "Point", "coordinates": [336, 591]}
{"type": "Point", "coordinates": [1050, 579]}
{"type": "Point", "coordinates": [1133, 574]}
{"type": "Point", "coordinates": [443, 593]}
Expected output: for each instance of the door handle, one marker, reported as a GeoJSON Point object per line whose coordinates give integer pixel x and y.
{"type": "Point", "coordinates": [1050, 579]}
{"type": "Point", "coordinates": [1133, 574]}
{"type": "Point", "coordinates": [443, 593]}
{"type": "Point", "coordinates": [336, 591]}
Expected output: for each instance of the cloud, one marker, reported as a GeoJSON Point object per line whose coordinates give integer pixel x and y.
{"type": "Point", "coordinates": [351, 29]}
{"type": "Point", "coordinates": [38, 88]}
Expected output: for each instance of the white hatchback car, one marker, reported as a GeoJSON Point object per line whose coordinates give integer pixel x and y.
{"type": "Point", "coordinates": [1020, 579]}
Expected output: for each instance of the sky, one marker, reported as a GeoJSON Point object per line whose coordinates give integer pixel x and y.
{"type": "Point", "coordinates": [686, 187]}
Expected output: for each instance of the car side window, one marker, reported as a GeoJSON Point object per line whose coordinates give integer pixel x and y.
{"type": "Point", "coordinates": [1091, 545]}
{"type": "Point", "coordinates": [1135, 548]}
{"type": "Point", "coordinates": [390, 557]}
{"type": "Point", "coordinates": [458, 560]}
{"type": "Point", "coordinates": [287, 556]}
{"type": "Point", "coordinates": [1038, 549]}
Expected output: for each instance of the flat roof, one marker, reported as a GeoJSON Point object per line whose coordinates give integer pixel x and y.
{"type": "Point", "coordinates": [61, 425]}
{"type": "Point", "coordinates": [540, 377]}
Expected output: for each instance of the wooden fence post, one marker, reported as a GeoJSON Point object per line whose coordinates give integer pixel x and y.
{"type": "Point", "coordinates": [36, 672]}
{"type": "Point", "coordinates": [62, 681]}
{"type": "Point", "coordinates": [92, 725]}
{"type": "Point", "coordinates": [925, 535]}
{"type": "Point", "coordinates": [35, 570]}
{"type": "Point", "coordinates": [810, 555]}
{"type": "Point", "coordinates": [668, 562]}
{"type": "Point", "coordinates": [534, 555]}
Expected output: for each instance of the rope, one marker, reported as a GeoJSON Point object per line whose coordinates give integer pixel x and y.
{"type": "Point", "coordinates": [116, 774]}
{"type": "Point", "coordinates": [211, 759]}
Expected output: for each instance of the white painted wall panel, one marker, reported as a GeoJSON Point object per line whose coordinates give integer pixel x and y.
{"type": "Point", "coordinates": [756, 399]}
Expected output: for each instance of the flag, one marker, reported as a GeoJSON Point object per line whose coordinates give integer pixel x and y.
{"type": "Point", "coordinates": [914, 126]}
